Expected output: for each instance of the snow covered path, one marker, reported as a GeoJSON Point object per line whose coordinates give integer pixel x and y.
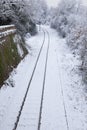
{"type": "Point", "coordinates": [47, 93]}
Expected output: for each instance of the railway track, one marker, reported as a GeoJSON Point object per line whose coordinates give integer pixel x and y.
{"type": "Point", "coordinates": [30, 81]}
{"type": "Point", "coordinates": [41, 106]}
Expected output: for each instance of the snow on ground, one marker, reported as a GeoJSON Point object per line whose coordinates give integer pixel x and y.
{"type": "Point", "coordinates": [20, 50]}
{"type": "Point", "coordinates": [53, 115]}
{"type": "Point", "coordinates": [30, 115]}
{"type": "Point", "coordinates": [64, 98]}
{"type": "Point", "coordinates": [69, 84]}
{"type": "Point", "coordinates": [73, 88]}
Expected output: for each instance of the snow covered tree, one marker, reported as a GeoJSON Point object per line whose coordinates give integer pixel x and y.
{"type": "Point", "coordinates": [5, 12]}
{"type": "Point", "coordinates": [70, 20]}
{"type": "Point", "coordinates": [16, 12]}
{"type": "Point", "coordinates": [63, 11]}
{"type": "Point", "coordinates": [38, 10]}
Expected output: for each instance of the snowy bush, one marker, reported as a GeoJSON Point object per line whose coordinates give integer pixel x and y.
{"type": "Point", "coordinates": [70, 20]}
{"type": "Point", "coordinates": [61, 16]}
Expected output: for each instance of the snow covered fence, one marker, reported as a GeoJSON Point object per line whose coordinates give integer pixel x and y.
{"type": "Point", "coordinates": [6, 30]}
{"type": "Point", "coordinates": [6, 27]}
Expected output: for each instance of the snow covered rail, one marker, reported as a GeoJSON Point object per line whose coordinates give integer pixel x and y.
{"type": "Point", "coordinates": [41, 105]}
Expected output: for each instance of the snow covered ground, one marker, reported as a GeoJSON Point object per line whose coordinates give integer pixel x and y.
{"type": "Point", "coordinates": [73, 88]}
{"type": "Point", "coordinates": [64, 101]}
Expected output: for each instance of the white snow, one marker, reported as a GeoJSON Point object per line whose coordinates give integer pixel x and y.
{"type": "Point", "coordinates": [63, 87]}
{"type": "Point", "coordinates": [17, 39]}
{"type": "Point", "coordinates": [6, 26]}
{"type": "Point", "coordinates": [5, 33]}
{"type": "Point", "coordinates": [53, 115]}
{"type": "Point", "coordinates": [52, 3]}
{"type": "Point", "coordinates": [1, 41]}
{"type": "Point", "coordinates": [20, 50]}
{"type": "Point", "coordinates": [30, 114]}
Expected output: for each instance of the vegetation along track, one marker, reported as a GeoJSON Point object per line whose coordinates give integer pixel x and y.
{"type": "Point", "coordinates": [27, 90]}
